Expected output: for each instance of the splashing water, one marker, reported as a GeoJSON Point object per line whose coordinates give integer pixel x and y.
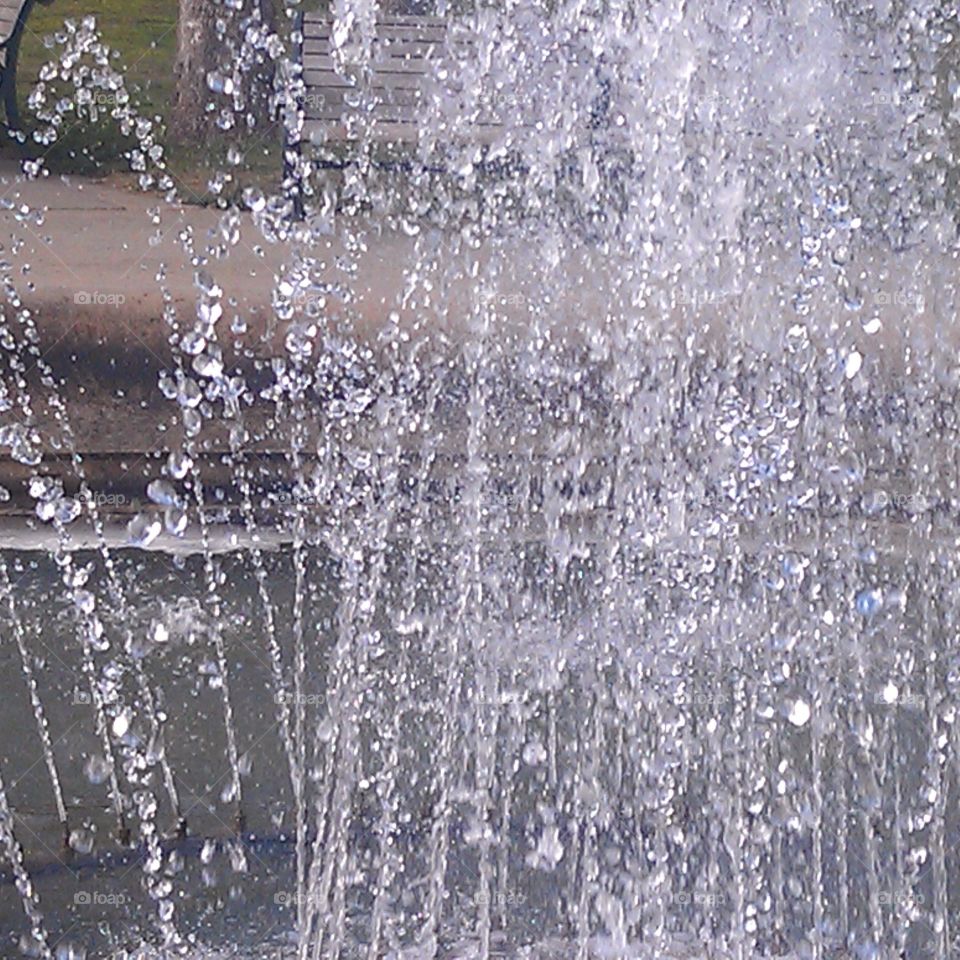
{"type": "Point", "coordinates": [560, 560]}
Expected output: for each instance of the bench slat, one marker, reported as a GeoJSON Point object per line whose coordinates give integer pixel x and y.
{"type": "Point", "coordinates": [333, 98]}
{"type": "Point", "coordinates": [326, 64]}
{"type": "Point", "coordinates": [332, 132]}
{"type": "Point", "coordinates": [405, 54]}
{"type": "Point", "coordinates": [389, 63]}
{"type": "Point", "coordinates": [385, 133]}
{"type": "Point", "coordinates": [8, 22]}
{"type": "Point", "coordinates": [385, 113]}
{"type": "Point", "coordinates": [409, 49]}
{"type": "Point", "coordinates": [388, 109]}
{"type": "Point", "coordinates": [383, 32]}
{"type": "Point", "coordinates": [323, 100]}
{"type": "Point", "coordinates": [312, 17]}
{"type": "Point", "coordinates": [318, 81]}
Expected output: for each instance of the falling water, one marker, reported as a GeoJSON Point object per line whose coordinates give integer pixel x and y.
{"type": "Point", "coordinates": [564, 564]}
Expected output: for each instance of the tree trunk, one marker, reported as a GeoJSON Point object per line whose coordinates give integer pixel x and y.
{"type": "Point", "coordinates": [203, 51]}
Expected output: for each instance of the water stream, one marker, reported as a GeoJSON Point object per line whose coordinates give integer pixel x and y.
{"type": "Point", "coordinates": [576, 579]}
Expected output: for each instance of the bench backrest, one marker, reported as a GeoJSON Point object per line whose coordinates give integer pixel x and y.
{"type": "Point", "coordinates": [9, 12]}
{"type": "Point", "coordinates": [430, 67]}
{"type": "Point", "coordinates": [404, 49]}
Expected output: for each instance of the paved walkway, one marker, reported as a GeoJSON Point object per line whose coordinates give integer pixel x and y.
{"type": "Point", "coordinates": [94, 259]}
{"type": "Point", "coordinates": [95, 256]}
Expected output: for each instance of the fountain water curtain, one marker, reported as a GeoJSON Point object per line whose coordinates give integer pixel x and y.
{"type": "Point", "coordinates": [566, 564]}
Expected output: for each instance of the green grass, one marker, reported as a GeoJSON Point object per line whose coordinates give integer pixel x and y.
{"type": "Point", "coordinates": [142, 34]}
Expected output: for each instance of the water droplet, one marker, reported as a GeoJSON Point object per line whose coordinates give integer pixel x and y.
{"type": "Point", "coordinates": [254, 199]}
{"type": "Point", "coordinates": [853, 364]}
{"type": "Point", "coordinates": [121, 723]}
{"type": "Point", "coordinates": [162, 492]}
{"type": "Point", "coordinates": [70, 951]}
{"type": "Point", "coordinates": [82, 839]}
{"type": "Point", "coordinates": [143, 529]}
{"type": "Point", "coordinates": [798, 712]}
{"type": "Point", "coordinates": [179, 464]}
{"type": "Point", "coordinates": [534, 753]}
{"type": "Point", "coordinates": [193, 343]}
{"type": "Point", "coordinates": [67, 510]}
{"type": "Point", "coordinates": [192, 422]}
{"type": "Point", "coordinates": [175, 520]}
{"type": "Point", "coordinates": [869, 602]}
{"type": "Point", "coordinates": [793, 566]}
{"type": "Point", "coordinates": [207, 366]}
{"type": "Point", "coordinates": [96, 769]}
{"type": "Point", "coordinates": [32, 946]}
{"type": "Point", "coordinates": [85, 601]}
{"type": "Point", "coordinates": [218, 83]}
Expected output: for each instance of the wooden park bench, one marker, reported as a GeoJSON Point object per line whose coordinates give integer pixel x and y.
{"type": "Point", "coordinates": [401, 63]}
{"type": "Point", "coordinates": [403, 59]}
{"type": "Point", "coordinates": [406, 52]}
{"type": "Point", "coordinates": [413, 58]}
{"type": "Point", "coordinates": [13, 21]}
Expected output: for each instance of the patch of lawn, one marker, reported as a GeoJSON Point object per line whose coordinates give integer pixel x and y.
{"type": "Point", "coordinates": [142, 35]}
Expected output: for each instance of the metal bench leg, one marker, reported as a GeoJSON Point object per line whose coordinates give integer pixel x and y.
{"type": "Point", "coordinates": [10, 99]}
{"type": "Point", "coordinates": [8, 85]}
